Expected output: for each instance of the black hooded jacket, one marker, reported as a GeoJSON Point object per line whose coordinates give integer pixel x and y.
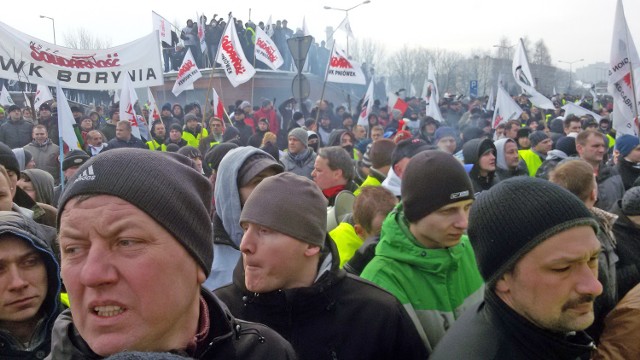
{"type": "Point", "coordinates": [472, 151]}
{"type": "Point", "coordinates": [340, 316]}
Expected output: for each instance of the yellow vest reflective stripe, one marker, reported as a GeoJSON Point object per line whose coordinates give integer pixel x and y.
{"type": "Point", "coordinates": [153, 145]}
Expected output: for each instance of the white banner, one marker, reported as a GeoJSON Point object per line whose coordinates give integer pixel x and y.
{"type": "Point", "coordinates": [506, 108]}
{"type": "Point", "coordinates": [42, 96]}
{"type": "Point", "coordinates": [235, 65]}
{"type": "Point", "coordinates": [187, 74]}
{"type": "Point", "coordinates": [432, 97]}
{"type": "Point", "coordinates": [5, 97]}
{"type": "Point", "coordinates": [571, 108]}
{"type": "Point", "coordinates": [523, 77]}
{"type": "Point", "coordinates": [344, 71]}
{"type": "Point", "coordinates": [163, 26]}
{"type": "Point", "coordinates": [65, 121]}
{"type": "Point", "coordinates": [28, 59]}
{"type": "Point", "coordinates": [266, 50]}
{"type": "Point", "coordinates": [367, 105]}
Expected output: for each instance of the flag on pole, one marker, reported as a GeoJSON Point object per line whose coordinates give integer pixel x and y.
{"type": "Point", "coordinates": [571, 108]}
{"type": "Point", "coordinates": [523, 77]}
{"type": "Point", "coordinates": [432, 97]}
{"type": "Point", "coordinates": [235, 65]}
{"type": "Point", "coordinates": [5, 97]}
{"type": "Point", "coordinates": [201, 29]}
{"type": "Point", "coordinates": [27, 102]}
{"type": "Point", "coordinates": [218, 106]}
{"type": "Point", "coordinates": [506, 108]}
{"type": "Point", "coordinates": [623, 60]}
{"type": "Point", "coordinates": [187, 74]}
{"type": "Point", "coordinates": [266, 50]}
{"type": "Point", "coordinates": [344, 71]}
{"type": "Point", "coordinates": [65, 122]}
{"type": "Point", "coordinates": [128, 99]}
{"type": "Point", "coordinates": [396, 103]}
{"type": "Point", "coordinates": [367, 105]}
{"type": "Point", "coordinates": [595, 105]}
{"type": "Point", "coordinates": [554, 91]}
{"type": "Point", "coordinates": [346, 27]}
{"type": "Point", "coordinates": [42, 96]}
{"type": "Point", "coordinates": [490, 101]}
{"type": "Point", "coordinates": [154, 113]}
{"type": "Point", "coordinates": [163, 26]}
{"type": "Point", "coordinates": [268, 28]}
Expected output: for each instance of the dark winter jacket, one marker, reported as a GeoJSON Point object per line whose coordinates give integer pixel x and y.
{"type": "Point", "coordinates": [40, 343]}
{"type": "Point", "coordinates": [228, 338]}
{"type": "Point", "coordinates": [245, 131]}
{"type": "Point", "coordinates": [627, 235]}
{"type": "Point", "coordinates": [472, 153]}
{"type": "Point", "coordinates": [300, 164]}
{"type": "Point", "coordinates": [628, 171]}
{"type": "Point", "coordinates": [495, 331]}
{"type": "Point", "coordinates": [133, 142]}
{"type": "Point", "coordinates": [16, 134]}
{"type": "Point", "coordinates": [610, 187]}
{"type": "Point", "coordinates": [340, 316]}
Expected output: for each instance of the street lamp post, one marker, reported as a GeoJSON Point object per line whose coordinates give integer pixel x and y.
{"type": "Point", "coordinates": [347, 15]}
{"type": "Point", "coordinates": [570, 71]}
{"type": "Point", "coordinates": [54, 27]}
{"type": "Point", "coordinates": [508, 48]}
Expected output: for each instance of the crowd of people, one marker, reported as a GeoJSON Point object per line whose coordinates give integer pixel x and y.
{"type": "Point", "coordinates": [289, 230]}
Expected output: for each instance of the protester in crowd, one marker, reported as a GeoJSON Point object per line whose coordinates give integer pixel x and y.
{"type": "Point", "coordinates": [124, 138]}
{"type": "Point", "coordinates": [193, 154]}
{"type": "Point", "coordinates": [380, 157]}
{"type": "Point", "coordinates": [95, 143]}
{"type": "Point", "coordinates": [628, 165]}
{"type": "Point", "coordinates": [263, 127]}
{"type": "Point", "coordinates": [400, 157]}
{"type": "Point", "coordinates": [158, 137]}
{"type": "Point", "coordinates": [565, 148]}
{"type": "Point", "coordinates": [428, 130]}
{"type": "Point", "coordinates": [577, 177]}
{"type": "Point", "coordinates": [193, 131]}
{"type": "Point", "coordinates": [430, 224]}
{"type": "Point", "coordinates": [481, 154]}
{"type": "Point", "coordinates": [38, 184]}
{"type": "Point", "coordinates": [175, 136]}
{"type": "Point", "coordinates": [534, 156]}
{"type": "Point", "coordinates": [70, 165]}
{"type": "Point", "coordinates": [508, 162]}
{"type": "Point", "coordinates": [333, 172]}
{"type": "Point", "coordinates": [245, 131]}
{"type": "Point", "coordinates": [45, 153]}
{"type": "Point", "coordinates": [30, 287]}
{"type": "Point", "coordinates": [268, 112]}
{"type": "Point", "coordinates": [172, 249]}
{"type": "Point", "coordinates": [109, 128]}
{"type": "Point", "coordinates": [324, 129]}
{"type": "Point", "coordinates": [299, 158]}
{"type": "Point", "coordinates": [301, 292]}
{"type": "Point", "coordinates": [541, 275]}
{"type": "Point", "coordinates": [524, 142]}
{"type": "Point", "coordinates": [178, 113]}
{"type": "Point", "coordinates": [239, 172]}
{"type": "Point", "coordinates": [216, 133]}
{"type": "Point", "coordinates": [571, 124]}
{"type": "Point", "coordinates": [445, 139]}
{"type": "Point", "coordinates": [591, 147]}
{"type": "Point", "coordinates": [511, 129]}
{"type": "Point", "coordinates": [25, 159]}
{"type": "Point", "coordinates": [627, 232]}
{"type": "Point", "coordinates": [16, 132]}
{"type": "Point", "coordinates": [618, 341]}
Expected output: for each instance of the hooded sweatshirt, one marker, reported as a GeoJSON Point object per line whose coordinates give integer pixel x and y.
{"type": "Point", "coordinates": [42, 184]}
{"type": "Point", "coordinates": [227, 232]}
{"type": "Point", "coordinates": [472, 151]}
{"type": "Point", "coordinates": [502, 170]}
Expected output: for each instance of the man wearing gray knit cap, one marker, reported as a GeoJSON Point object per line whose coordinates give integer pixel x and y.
{"type": "Point", "coordinates": [299, 158]}
{"type": "Point", "coordinates": [133, 260]}
{"type": "Point", "coordinates": [289, 279]}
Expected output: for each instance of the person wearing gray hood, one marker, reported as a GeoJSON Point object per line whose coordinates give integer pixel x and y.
{"type": "Point", "coordinates": [508, 162]}
{"type": "Point", "coordinates": [240, 171]}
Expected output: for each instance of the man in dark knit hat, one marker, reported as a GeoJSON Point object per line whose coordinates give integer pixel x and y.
{"type": "Point", "coordinates": [423, 256]}
{"type": "Point", "coordinates": [289, 279]}
{"type": "Point", "coordinates": [71, 163]}
{"type": "Point", "coordinates": [540, 145]}
{"type": "Point", "coordinates": [539, 258]}
{"type": "Point", "coordinates": [16, 132]}
{"type": "Point", "coordinates": [628, 165]}
{"type": "Point", "coordinates": [133, 262]}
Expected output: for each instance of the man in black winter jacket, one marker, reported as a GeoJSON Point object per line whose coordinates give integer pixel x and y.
{"type": "Point", "coordinates": [289, 279]}
{"type": "Point", "coordinates": [541, 274]}
{"type": "Point", "coordinates": [133, 263]}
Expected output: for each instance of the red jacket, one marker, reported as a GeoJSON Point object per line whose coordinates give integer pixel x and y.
{"type": "Point", "coordinates": [271, 116]}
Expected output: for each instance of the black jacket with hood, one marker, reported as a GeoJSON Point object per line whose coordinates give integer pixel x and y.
{"type": "Point", "coordinates": [40, 237]}
{"type": "Point", "coordinates": [340, 316]}
{"type": "Point", "coordinates": [627, 235]}
{"type": "Point", "coordinates": [472, 151]}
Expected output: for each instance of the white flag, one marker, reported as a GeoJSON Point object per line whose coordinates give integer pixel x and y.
{"type": "Point", "coordinates": [235, 65]}
{"type": "Point", "coordinates": [266, 50]}
{"type": "Point", "coordinates": [367, 105]}
{"type": "Point", "coordinates": [432, 97]}
{"type": "Point", "coordinates": [523, 77]}
{"type": "Point", "coordinates": [489, 106]}
{"type": "Point", "coordinates": [128, 99]}
{"type": "Point", "coordinates": [5, 97]}
{"type": "Point", "coordinates": [624, 58]}
{"type": "Point", "coordinates": [201, 30]}
{"type": "Point", "coordinates": [42, 96]}
{"type": "Point", "coordinates": [268, 28]}
{"type": "Point", "coordinates": [218, 106]}
{"type": "Point", "coordinates": [27, 102]}
{"type": "Point", "coordinates": [154, 113]}
{"type": "Point", "coordinates": [65, 121]}
{"type": "Point", "coordinates": [346, 27]}
{"type": "Point", "coordinates": [506, 108]}
{"type": "Point", "coordinates": [163, 26]}
{"type": "Point", "coordinates": [554, 91]}
{"type": "Point", "coordinates": [187, 75]}
{"type": "Point", "coordinates": [344, 71]}
{"type": "Point", "coordinates": [595, 105]}
{"type": "Point", "coordinates": [571, 108]}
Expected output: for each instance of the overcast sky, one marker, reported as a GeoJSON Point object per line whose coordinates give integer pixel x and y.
{"type": "Point", "coordinates": [572, 29]}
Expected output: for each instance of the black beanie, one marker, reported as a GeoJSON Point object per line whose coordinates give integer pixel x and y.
{"type": "Point", "coordinates": [567, 144]}
{"type": "Point", "coordinates": [216, 153]}
{"type": "Point", "coordinates": [8, 159]}
{"type": "Point", "coordinates": [537, 136]}
{"type": "Point", "coordinates": [433, 179]}
{"type": "Point", "coordinates": [135, 175]}
{"type": "Point", "coordinates": [516, 215]}
{"type": "Point", "coordinates": [74, 158]}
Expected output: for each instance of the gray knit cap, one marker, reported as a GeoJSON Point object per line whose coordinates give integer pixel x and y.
{"type": "Point", "coordinates": [631, 202]}
{"type": "Point", "coordinates": [300, 211]}
{"type": "Point", "coordinates": [301, 135]}
{"type": "Point", "coordinates": [136, 176]}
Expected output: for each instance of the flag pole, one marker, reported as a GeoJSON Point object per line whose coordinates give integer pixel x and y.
{"type": "Point", "coordinates": [324, 83]}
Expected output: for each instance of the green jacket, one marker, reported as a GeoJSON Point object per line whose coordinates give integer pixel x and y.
{"type": "Point", "coordinates": [435, 285]}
